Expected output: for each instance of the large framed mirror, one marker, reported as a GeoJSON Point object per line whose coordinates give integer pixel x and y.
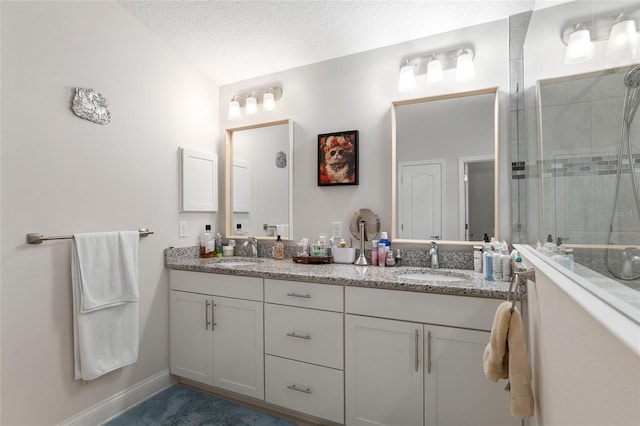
{"type": "Point", "coordinates": [258, 181]}
{"type": "Point", "coordinates": [444, 167]}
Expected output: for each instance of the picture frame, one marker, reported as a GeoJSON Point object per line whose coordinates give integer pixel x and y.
{"type": "Point", "coordinates": [338, 158]}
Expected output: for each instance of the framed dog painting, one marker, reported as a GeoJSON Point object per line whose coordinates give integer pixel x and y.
{"type": "Point", "coordinates": [338, 158]}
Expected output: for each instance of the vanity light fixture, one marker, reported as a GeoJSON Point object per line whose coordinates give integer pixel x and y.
{"type": "Point", "coordinates": [579, 47]}
{"type": "Point", "coordinates": [250, 101]}
{"type": "Point", "coordinates": [619, 31]}
{"type": "Point", "coordinates": [434, 65]}
{"type": "Point", "coordinates": [465, 71]}
{"type": "Point", "coordinates": [407, 81]}
{"type": "Point", "coordinates": [251, 105]}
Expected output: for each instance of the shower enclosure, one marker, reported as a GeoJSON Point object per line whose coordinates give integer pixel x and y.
{"type": "Point", "coordinates": [589, 159]}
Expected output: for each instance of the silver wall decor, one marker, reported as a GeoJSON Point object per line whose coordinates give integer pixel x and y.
{"type": "Point", "coordinates": [281, 160]}
{"type": "Point", "coordinates": [91, 105]}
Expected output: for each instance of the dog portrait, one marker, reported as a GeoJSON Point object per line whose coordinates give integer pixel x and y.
{"type": "Point", "coordinates": [338, 158]}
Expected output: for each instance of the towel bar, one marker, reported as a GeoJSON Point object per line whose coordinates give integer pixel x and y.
{"type": "Point", "coordinates": [36, 238]}
{"type": "Point", "coordinates": [528, 274]}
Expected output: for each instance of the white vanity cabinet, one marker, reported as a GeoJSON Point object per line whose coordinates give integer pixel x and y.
{"type": "Point", "coordinates": [304, 347]}
{"type": "Point", "coordinates": [416, 358]}
{"type": "Point", "coordinates": [216, 330]}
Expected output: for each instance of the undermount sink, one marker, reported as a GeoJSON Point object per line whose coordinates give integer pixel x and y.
{"type": "Point", "coordinates": [430, 275]}
{"type": "Point", "coordinates": [232, 262]}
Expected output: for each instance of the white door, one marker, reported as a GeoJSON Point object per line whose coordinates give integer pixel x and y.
{"type": "Point", "coordinates": [238, 346]}
{"type": "Point", "coordinates": [383, 372]}
{"type": "Point", "coordinates": [456, 390]}
{"type": "Point", "coordinates": [191, 337]}
{"type": "Point", "coordinates": [420, 200]}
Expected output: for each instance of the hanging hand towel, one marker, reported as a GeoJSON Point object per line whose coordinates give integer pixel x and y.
{"type": "Point", "coordinates": [105, 295]}
{"type": "Point", "coordinates": [505, 357]}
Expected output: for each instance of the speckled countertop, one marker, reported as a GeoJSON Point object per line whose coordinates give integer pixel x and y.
{"type": "Point", "coordinates": [462, 282]}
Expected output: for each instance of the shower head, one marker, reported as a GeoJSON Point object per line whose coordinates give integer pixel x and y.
{"type": "Point", "coordinates": [632, 77]}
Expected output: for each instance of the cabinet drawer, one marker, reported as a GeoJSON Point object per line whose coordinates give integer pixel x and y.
{"type": "Point", "coordinates": [441, 309]}
{"type": "Point", "coordinates": [307, 388]}
{"type": "Point", "coordinates": [217, 284]}
{"type": "Point", "coordinates": [306, 295]}
{"type": "Point", "coordinates": [304, 334]}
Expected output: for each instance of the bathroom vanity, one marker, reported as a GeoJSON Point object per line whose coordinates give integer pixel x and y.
{"type": "Point", "coordinates": [317, 339]}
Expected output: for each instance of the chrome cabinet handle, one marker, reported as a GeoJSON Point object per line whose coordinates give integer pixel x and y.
{"type": "Point", "coordinates": [304, 296]}
{"type": "Point", "coordinates": [417, 350]}
{"type": "Point", "coordinates": [213, 316]}
{"type": "Point", "coordinates": [429, 352]}
{"type": "Point", "coordinates": [296, 388]}
{"type": "Point", "coordinates": [206, 314]}
{"type": "Point", "coordinates": [299, 336]}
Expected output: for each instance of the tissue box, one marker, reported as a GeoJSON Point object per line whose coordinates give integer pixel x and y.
{"type": "Point", "coordinates": [343, 254]}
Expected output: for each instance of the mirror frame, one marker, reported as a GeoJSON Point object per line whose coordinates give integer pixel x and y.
{"type": "Point", "coordinates": [228, 179]}
{"type": "Point", "coordinates": [394, 171]}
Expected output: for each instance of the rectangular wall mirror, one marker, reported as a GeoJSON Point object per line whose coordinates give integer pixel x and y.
{"type": "Point", "coordinates": [444, 167]}
{"type": "Point", "coordinates": [259, 180]}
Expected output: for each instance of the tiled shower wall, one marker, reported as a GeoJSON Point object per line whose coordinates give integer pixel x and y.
{"type": "Point", "coordinates": [580, 135]}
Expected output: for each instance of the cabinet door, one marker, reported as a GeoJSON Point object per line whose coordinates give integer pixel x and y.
{"type": "Point", "coordinates": [383, 372]}
{"type": "Point", "coordinates": [238, 346]}
{"type": "Point", "coordinates": [456, 390]}
{"type": "Point", "coordinates": [191, 337]}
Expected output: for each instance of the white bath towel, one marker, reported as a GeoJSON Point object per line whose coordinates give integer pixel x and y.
{"type": "Point", "coordinates": [105, 296]}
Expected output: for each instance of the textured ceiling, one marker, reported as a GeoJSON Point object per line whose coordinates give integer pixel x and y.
{"type": "Point", "coordinates": [237, 40]}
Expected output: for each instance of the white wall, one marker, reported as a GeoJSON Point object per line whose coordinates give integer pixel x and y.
{"type": "Point", "coordinates": [355, 92]}
{"type": "Point", "coordinates": [583, 373]}
{"type": "Point", "coordinates": [62, 175]}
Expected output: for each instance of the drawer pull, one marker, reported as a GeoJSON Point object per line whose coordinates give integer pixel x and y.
{"type": "Point", "coordinates": [296, 388]}
{"type": "Point", "coordinates": [304, 296]}
{"type": "Point", "coordinates": [299, 336]}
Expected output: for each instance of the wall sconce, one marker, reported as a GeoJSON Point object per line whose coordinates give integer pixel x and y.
{"type": "Point", "coordinates": [267, 97]}
{"type": "Point", "coordinates": [434, 65]}
{"type": "Point", "coordinates": [620, 32]}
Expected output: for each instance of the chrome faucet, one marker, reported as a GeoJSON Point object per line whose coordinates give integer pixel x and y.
{"type": "Point", "coordinates": [629, 261]}
{"type": "Point", "coordinates": [253, 241]}
{"type": "Point", "coordinates": [433, 253]}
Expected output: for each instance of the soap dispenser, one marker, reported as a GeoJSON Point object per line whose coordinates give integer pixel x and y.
{"type": "Point", "coordinates": [278, 249]}
{"type": "Point", "coordinates": [433, 253]}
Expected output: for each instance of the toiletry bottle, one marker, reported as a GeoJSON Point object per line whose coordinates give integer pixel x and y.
{"type": "Point", "coordinates": [477, 258]}
{"type": "Point", "coordinates": [487, 265]}
{"type": "Point", "coordinates": [218, 245]}
{"type": "Point", "coordinates": [207, 243]}
{"type": "Point", "coordinates": [495, 257]}
{"type": "Point", "coordinates": [505, 262]}
{"type": "Point", "coordinates": [374, 253]}
{"type": "Point", "coordinates": [391, 259]}
{"type": "Point", "coordinates": [278, 249]}
{"type": "Point", "coordinates": [433, 255]}
{"type": "Point", "coordinates": [382, 253]}
{"type": "Point", "coordinates": [384, 239]}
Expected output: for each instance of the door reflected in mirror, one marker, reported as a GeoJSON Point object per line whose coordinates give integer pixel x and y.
{"type": "Point", "coordinates": [444, 167]}
{"type": "Point", "coordinates": [258, 180]}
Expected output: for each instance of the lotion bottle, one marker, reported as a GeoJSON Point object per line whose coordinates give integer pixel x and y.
{"type": "Point", "coordinates": [207, 243]}
{"type": "Point", "coordinates": [487, 264]}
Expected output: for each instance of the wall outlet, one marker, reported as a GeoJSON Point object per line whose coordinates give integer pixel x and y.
{"type": "Point", "coordinates": [182, 230]}
{"type": "Point", "coordinates": [336, 229]}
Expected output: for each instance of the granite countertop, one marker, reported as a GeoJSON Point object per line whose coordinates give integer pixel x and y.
{"type": "Point", "coordinates": [470, 283]}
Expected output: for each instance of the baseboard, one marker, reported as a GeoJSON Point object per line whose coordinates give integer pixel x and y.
{"type": "Point", "coordinates": [121, 401]}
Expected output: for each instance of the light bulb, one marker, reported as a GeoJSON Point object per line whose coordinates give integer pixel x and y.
{"type": "Point", "coordinates": [465, 71]}
{"type": "Point", "coordinates": [434, 71]}
{"type": "Point", "coordinates": [579, 48]}
{"type": "Point", "coordinates": [251, 105]}
{"type": "Point", "coordinates": [234, 110]}
{"type": "Point", "coordinates": [269, 101]}
{"type": "Point", "coordinates": [623, 40]}
{"type": "Point", "coordinates": [407, 80]}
